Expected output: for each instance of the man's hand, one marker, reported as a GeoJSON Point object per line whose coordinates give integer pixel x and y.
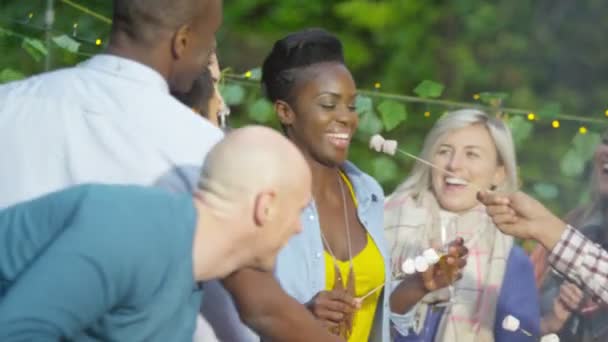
{"type": "Point", "coordinates": [441, 275]}
{"type": "Point", "coordinates": [570, 296]}
{"type": "Point", "coordinates": [564, 304]}
{"type": "Point", "coordinates": [331, 307]}
{"type": "Point", "coordinates": [520, 215]}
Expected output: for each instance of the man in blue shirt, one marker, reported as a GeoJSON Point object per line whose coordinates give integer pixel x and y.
{"type": "Point", "coordinates": [121, 263]}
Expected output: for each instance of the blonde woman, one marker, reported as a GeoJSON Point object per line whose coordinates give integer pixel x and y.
{"type": "Point", "coordinates": [430, 207]}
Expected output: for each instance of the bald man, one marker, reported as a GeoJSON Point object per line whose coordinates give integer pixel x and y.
{"type": "Point", "coordinates": [122, 263]}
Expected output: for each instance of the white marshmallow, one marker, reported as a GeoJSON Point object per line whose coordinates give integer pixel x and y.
{"type": "Point", "coordinates": [510, 323]}
{"type": "Point", "coordinates": [389, 147]}
{"type": "Point", "coordinates": [408, 266]}
{"type": "Point", "coordinates": [376, 142]}
{"type": "Point", "coordinates": [421, 264]}
{"type": "Point", "coordinates": [550, 338]}
{"type": "Point", "coordinates": [431, 256]}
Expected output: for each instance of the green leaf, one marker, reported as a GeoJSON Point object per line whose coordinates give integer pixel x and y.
{"type": "Point", "coordinates": [546, 190]}
{"type": "Point", "coordinates": [494, 99]}
{"type": "Point", "coordinates": [67, 43]}
{"type": "Point", "coordinates": [35, 48]}
{"type": "Point", "coordinates": [520, 129]}
{"type": "Point", "coordinates": [369, 124]}
{"type": "Point", "coordinates": [5, 32]}
{"type": "Point", "coordinates": [9, 75]}
{"type": "Point", "coordinates": [233, 94]}
{"type": "Point", "coordinates": [429, 89]}
{"type": "Point", "coordinates": [384, 168]}
{"type": "Point", "coordinates": [364, 104]}
{"type": "Point", "coordinates": [585, 144]}
{"type": "Point", "coordinates": [550, 111]}
{"type": "Point", "coordinates": [366, 14]}
{"type": "Point", "coordinates": [572, 164]}
{"type": "Point", "coordinates": [392, 113]}
{"type": "Point", "coordinates": [261, 111]}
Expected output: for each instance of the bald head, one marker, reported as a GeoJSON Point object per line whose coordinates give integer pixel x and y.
{"type": "Point", "coordinates": [251, 159]}
{"type": "Point", "coordinates": [256, 180]}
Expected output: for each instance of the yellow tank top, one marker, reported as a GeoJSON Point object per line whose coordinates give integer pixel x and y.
{"type": "Point", "coordinates": [369, 274]}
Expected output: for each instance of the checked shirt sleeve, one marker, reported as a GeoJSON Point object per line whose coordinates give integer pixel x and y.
{"type": "Point", "coordinates": [582, 262]}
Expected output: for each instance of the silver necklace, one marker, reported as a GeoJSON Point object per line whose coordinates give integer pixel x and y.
{"type": "Point", "coordinates": [347, 227]}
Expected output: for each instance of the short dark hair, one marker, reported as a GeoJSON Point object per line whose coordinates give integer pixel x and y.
{"type": "Point", "coordinates": [199, 96]}
{"type": "Point", "coordinates": [142, 19]}
{"type": "Point", "coordinates": [293, 53]}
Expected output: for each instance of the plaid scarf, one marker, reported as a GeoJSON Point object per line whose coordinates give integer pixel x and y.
{"type": "Point", "coordinates": [415, 223]}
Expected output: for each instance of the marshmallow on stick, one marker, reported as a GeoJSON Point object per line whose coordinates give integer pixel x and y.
{"type": "Point", "coordinates": [421, 264]}
{"type": "Point", "coordinates": [408, 266]}
{"type": "Point", "coordinates": [550, 338]}
{"type": "Point", "coordinates": [511, 323]}
{"type": "Point", "coordinates": [379, 144]}
{"type": "Point", "coordinates": [431, 256]}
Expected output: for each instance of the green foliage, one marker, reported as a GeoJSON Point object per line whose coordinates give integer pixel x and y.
{"type": "Point", "coordinates": [35, 48]}
{"type": "Point", "coordinates": [369, 124]}
{"type": "Point", "coordinates": [494, 99]}
{"type": "Point", "coordinates": [584, 144]}
{"type": "Point", "coordinates": [393, 113]}
{"type": "Point", "coordinates": [384, 168]}
{"type": "Point", "coordinates": [546, 191]}
{"type": "Point", "coordinates": [261, 111]}
{"type": "Point", "coordinates": [520, 128]}
{"type": "Point", "coordinates": [9, 75]}
{"type": "Point", "coordinates": [233, 94]}
{"type": "Point", "coordinates": [67, 43]}
{"type": "Point", "coordinates": [364, 104]}
{"type": "Point", "coordinates": [429, 89]}
{"type": "Point", "coordinates": [469, 47]}
{"type": "Point", "coordinates": [550, 111]}
{"type": "Point", "coordinates": [254, 74]}
{"type": "Point", "coordinates": [366, 14]}
{"type": "Point", "coordinates": [572, 164]}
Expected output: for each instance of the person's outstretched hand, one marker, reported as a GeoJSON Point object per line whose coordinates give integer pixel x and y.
{"type": "Point", "coordinates": [522, 216]}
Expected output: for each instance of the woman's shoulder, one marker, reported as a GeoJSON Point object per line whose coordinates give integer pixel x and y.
{"type": "Point", "coordinates": [362, 179]}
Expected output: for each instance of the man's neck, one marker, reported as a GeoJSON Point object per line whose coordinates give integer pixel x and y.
{"type": "Point", "coordinates": [217, 249]}
{"type": "Point", "coordinates": [123, 46]}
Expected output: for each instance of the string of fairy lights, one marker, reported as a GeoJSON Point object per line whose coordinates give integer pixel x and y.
{"type": "Point", "coordinates": [248, 79]}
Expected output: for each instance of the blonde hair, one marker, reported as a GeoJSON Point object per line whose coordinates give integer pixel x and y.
{"type": "Point", "coordinates": [420, 177]}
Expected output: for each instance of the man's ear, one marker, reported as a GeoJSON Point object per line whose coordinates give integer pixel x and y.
{"type": "Point", "coordinates": [264, 207]}
{"type": "Point", "coordinates": [284, 112]}
{"type": "Point", "coordinates": [180, 41]}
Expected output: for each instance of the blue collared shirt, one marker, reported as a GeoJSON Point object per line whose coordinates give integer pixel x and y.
{"type": "Point", "coordinates": [301, 268]}
{"type": "Point", "coordinates": [109, 119]}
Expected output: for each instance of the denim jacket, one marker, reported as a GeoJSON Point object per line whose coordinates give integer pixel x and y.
{"type": "Point", "coordinates": [301, 266]}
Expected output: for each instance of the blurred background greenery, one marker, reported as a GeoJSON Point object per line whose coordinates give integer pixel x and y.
{"type": "Point", "coordinates": [545, 57]}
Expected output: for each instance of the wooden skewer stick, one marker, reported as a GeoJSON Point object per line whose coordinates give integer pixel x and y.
{"type": "Point", "coordinates": [436, 167]}
{"type": "Point", "coordinates": [361, 299]}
